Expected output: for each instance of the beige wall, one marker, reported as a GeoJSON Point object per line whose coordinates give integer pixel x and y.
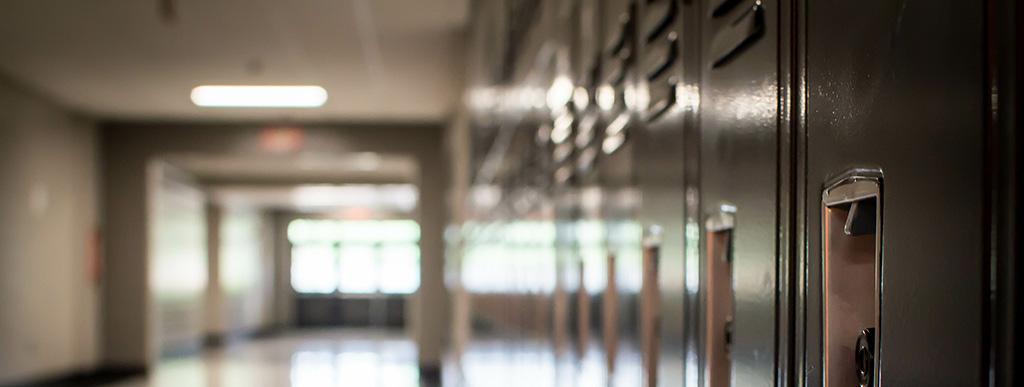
{"type": "Point", "coordinates": [49, 320]}
{"type": "Point", "coordinates": [129, 146]}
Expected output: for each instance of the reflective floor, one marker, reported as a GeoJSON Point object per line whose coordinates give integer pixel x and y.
{"type": "Point", "coordinates": [301, 359]}
{"type": "Point", "coordinates": [511, 363]}
{"type": "Point", "coordinates": [376, 358]}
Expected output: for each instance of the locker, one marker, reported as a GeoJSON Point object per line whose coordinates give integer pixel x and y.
{"type": "Point", "coordinates": [739, 171]}
{"type": "Point", "coordinates": [665, 158]}
{"type": "Point", "coordinates": [760, 192]}
{"type": "Point", "coordinates": [903, 97]}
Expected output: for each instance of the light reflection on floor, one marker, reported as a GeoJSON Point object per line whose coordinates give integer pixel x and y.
{"type": "Point", "coordinates": [303, 359]}
{"type": "Point", "coordinates": [497, 363]}
{"type": "Point", "coordinates": [373, 358]}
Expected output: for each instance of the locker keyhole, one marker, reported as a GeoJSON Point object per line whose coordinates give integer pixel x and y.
{"type": "Point", "coordinates": [728, 337]}
{"type": "Point", "coordinates": [865, 357]}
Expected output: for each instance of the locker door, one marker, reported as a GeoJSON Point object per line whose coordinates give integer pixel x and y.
{"type": "Point", "coordinates": [665, 157]}
{"type": "Point", "coordinates": [738, 164]}
{"type": "Point", "coordinates": [896, 88]}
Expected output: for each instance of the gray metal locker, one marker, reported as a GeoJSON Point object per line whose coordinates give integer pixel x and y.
{"type": "Point", "coordinates": [895, 99]}
{"type": "Point", "coordinates": [739, 180]}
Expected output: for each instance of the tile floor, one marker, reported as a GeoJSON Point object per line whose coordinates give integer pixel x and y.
{"type": "Point", "coordinates": [327, 358]}
{"type": "Point", "coordinates": [375, 358]}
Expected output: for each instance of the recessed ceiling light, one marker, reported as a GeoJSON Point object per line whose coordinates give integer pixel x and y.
{"type": "Point", "coordinates": [258, 96]}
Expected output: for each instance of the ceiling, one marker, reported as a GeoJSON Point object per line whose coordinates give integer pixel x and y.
{"type": "Point", "coordinates": [358, 167]}
{"type": "Point", "coordinates": [379, 60]}
{"type": "Point", "coordinates": [358, 184]}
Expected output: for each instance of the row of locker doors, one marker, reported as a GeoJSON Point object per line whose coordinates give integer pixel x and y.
{"type": "Point", "coordinates": [811, 179]}
{"type": "Point", "coordinates": [833, 163]}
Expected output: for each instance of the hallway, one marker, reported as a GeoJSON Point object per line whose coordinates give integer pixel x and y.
{"type": "Point", "coordinates": [510, 193]}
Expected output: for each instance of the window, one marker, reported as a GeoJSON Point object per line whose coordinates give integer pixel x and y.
{"type": "Point", "coordinates": [493, 250]}
{"type": "Point", "coordinates": [355, 257]}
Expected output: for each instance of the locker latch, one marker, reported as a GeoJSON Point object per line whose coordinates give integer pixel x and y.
{"type": "Point", "coordinates": [851, 284]}
{"type": "Point", "coordinates": [720, 296]}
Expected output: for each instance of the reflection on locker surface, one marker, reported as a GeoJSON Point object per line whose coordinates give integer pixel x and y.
{"type": "Point", "coordinates": [657, 192]}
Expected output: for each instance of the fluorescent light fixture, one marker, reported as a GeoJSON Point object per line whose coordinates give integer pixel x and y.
{"type": "Point", "coordinates": [399, 197]}
{"type": "Point", "coordinates": [258, 96]}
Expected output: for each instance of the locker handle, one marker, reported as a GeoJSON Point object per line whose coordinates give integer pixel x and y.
{"type": "Point", "coordinates": [738, 35]}
{"type": "Point", "coordinates": [724, 219]}
{"type": "Point", "coordinates": [651, 243]}
{"type": "Point", "coordinates": [861, 220]}
{"type": "Point", "coordinates": [650, 306]}
{"type": "Point", "coordinates": [851, 278]}
{"type": "Point", "coordinates": [857, 190]}
{"type": "Point", "coordinates": [720, 294]}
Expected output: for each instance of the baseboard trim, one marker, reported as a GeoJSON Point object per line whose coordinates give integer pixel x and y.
{"type": "Point", "coordinates": [430, 375]}
{"type": "Point", "coordinates": [97, 377]}
{"type": "Point", "coordinates": [219, 340]}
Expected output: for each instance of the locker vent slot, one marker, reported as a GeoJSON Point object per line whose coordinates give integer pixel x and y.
{"type": "Point", "coordinates": [614, 72]}
{"type": "Point", "coordinates": [658, 16]}
{"type": "Point", "coordinates": [721, 7]}
{"type": "Point", "coordinates": [663, 97]}
{"type": "Point", "coordinates": [660, 57]}
{"type": "Point", "coordinates": [738, 35]}
{"type": "Point", "coordinates": [617, 40]}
